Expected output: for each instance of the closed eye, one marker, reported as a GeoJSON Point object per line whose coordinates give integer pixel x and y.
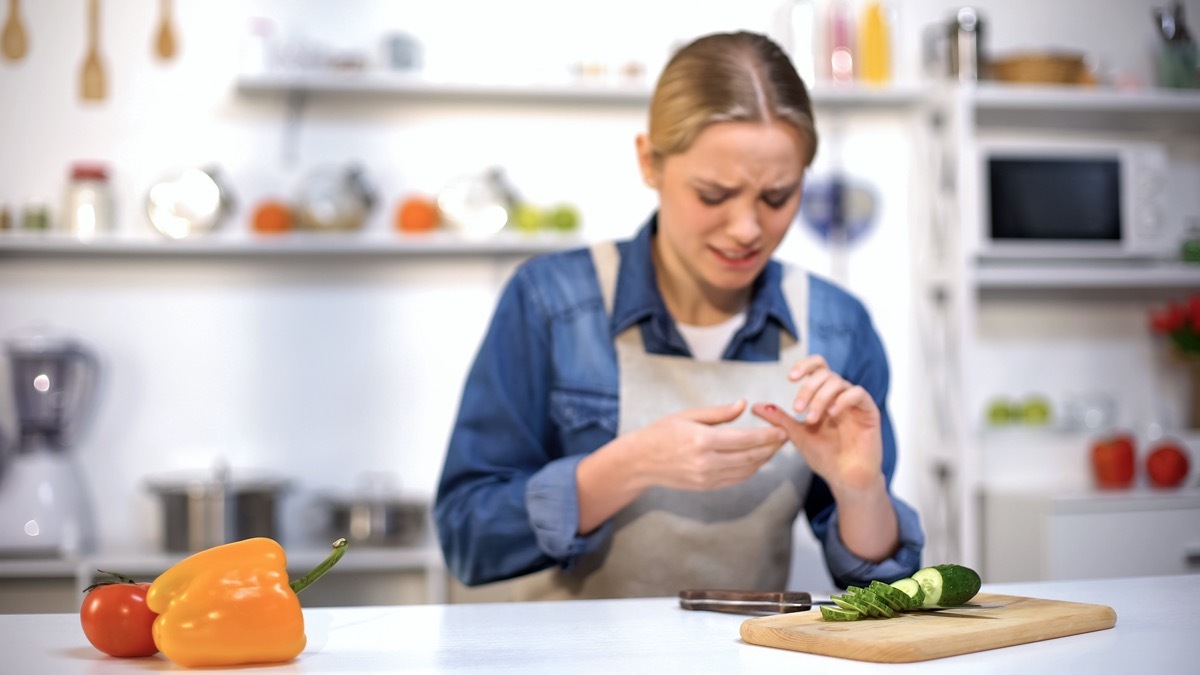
{"type": "Point", "coordinates": [714, 198]}
{"type": "Point", "coordinates": [777, 199]}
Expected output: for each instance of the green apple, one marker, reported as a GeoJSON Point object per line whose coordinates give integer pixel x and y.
{"type": "Point", "coordinates": [1035, 410]}
{"type": "Point", "coordinates": [527, 217]}
{"type": "Point", "coordinates": [562, 217]}
{"type": "Point", "coordinates": [999, 412]}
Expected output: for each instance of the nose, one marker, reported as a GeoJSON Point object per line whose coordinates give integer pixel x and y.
{"type": "Point", "coordinates": [744, 225]}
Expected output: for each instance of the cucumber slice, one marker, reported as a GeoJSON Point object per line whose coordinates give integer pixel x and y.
{"type": "Point", "coordinates": [848, 602]}
{"type": "Point", "coordinates": [912, 589]}
{"type": "Point", "coordinates": [894, 598]}
{"type": "Point", "coordinates": [878, 607]}
{"type": "Point", "coordinates": [931, 582]}
{"type": "Point", "coordinates": [947, 585]}
{"type": "Point", "coordinates": [837, 614]}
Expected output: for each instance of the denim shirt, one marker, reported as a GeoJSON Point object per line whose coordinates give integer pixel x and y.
{"type": "Point", "coordinates": [542, 394]}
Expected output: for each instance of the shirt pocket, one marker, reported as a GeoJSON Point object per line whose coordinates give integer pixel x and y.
{"type": "Point", "coordinates": [584, 421]}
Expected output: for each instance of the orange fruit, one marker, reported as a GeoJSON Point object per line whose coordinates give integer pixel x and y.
{"type": "Point", "coordinates": [272, 216]}
{"type": "Point", "coordinates": [417, 214]}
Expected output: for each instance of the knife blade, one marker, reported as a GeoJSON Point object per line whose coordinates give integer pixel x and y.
{"type": "Point", "coordinates": [770, 602]}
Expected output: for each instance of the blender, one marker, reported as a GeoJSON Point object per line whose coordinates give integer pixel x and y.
{"type": "Point", "coordinates": [44, 507]}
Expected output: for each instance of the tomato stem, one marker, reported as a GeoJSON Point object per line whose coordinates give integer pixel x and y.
{"type": "Point", "coordinates": [339, 550]}
{"type": "Point", "coordinates": [116, 579]}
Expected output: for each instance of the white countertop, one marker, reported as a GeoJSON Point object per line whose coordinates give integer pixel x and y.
{"type": "Point", "coordinates": [1157, 624]}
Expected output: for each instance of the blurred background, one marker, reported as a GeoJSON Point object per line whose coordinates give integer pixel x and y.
{"type": "Point", "coordinates": [257, 243]}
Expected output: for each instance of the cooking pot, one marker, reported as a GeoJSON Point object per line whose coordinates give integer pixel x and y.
{"type": "Point", "coordinates": [377, 520]}
{"type": "Point", "coordinates": [200, 511]}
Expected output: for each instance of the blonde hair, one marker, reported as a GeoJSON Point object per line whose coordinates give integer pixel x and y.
{"type": "Point", "coordinates": [727, 77]}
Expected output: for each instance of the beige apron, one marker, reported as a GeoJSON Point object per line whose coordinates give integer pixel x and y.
{"type": "Point", "coordinates": [738, 537]}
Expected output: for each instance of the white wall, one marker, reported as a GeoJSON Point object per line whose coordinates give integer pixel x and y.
{"type": "Point", "coordinates": [324, 369]}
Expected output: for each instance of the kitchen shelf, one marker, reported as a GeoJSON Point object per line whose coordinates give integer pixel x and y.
{"type": "Point", "coordinates": [1067, 276]}
{"type": "Point", "coordinates": [408, 85]}
{"type": "Point", "coordinates": [39, 244]}
{"type": "Point", "coordinates": [1066, 107]}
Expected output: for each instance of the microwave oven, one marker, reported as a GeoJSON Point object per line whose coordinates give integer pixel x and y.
{"type": "Point", "coordinates": [1078, 199]}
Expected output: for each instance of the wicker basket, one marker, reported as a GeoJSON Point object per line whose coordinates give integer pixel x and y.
{"type": "Point", "coordinates": [1039, 68]}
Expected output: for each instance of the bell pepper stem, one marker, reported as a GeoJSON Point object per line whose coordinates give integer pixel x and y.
{"type": "Point", "coordinates": [339, 550]}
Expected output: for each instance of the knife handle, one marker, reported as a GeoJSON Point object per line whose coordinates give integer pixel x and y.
{"type": "Point", "coordinates": [743, 602]}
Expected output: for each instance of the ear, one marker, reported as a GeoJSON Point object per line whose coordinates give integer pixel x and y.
{"type": "Point", "coordinates": [645, 156]}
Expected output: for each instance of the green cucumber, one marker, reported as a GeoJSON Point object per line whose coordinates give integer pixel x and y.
{"type": "Point", "coordinates": [912, 589]}
{"type": "Point", "coordinates": [894, 598]}
{"type": "Point", "coordinates": [947, 585]}
{"type": "Point", "coordinates": [837, 614]}
{"type": "Point", "coordinates": [849, 602]}
{"type": "Point", "coordinates": [878, 608]}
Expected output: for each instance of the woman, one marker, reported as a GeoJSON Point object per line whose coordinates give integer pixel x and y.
{"type": "Point", "coordinates": [603, 437]}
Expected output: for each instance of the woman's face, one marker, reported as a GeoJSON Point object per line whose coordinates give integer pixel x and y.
{"type": "Point", "coordinates": [724, 206]}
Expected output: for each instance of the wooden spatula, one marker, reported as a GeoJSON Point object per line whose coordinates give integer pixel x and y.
{"type": "Point", "coordinates": [164, 41]}
{"type": "Point", "coordinates": [14, 43]}
{"type": "Point", "coordinates": [92, 84]}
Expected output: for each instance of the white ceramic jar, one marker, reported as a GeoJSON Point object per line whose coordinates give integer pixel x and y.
{"type": "Point", "coordinates": [89, 204]}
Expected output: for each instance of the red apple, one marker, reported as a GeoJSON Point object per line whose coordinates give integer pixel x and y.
{"type": "Point", "coordinates": [1113, 461]}
{"type": "Point", "coordinates": [1167, 464]}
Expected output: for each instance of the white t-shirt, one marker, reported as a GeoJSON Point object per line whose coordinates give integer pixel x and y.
{"type": "Point", "coordinates": [708, 343]}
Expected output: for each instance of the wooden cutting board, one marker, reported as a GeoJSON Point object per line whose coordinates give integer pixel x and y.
{"type": "Point", "coordinates": [921, 636]}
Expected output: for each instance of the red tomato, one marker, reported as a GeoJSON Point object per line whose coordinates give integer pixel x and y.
{"type": "Point", "coordinates": [1113, 461]}
{"type": "Point", "coordinates": [1167, 465]}
{"type": "Point", "coordinates": [117, 621]}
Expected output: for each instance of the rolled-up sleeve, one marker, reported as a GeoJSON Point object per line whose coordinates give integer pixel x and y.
{"type": "Point", "coordinates": [847, 568]}
{"type": "Point", "coordinates": [552, 499]}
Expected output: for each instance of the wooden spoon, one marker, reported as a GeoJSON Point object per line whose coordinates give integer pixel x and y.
{"type": "Point", "coordinates": [164, 44]}
{"type": "Point", "coordinates": [14, 44]}
{"type": "Point", "coordinates": [92, 83]}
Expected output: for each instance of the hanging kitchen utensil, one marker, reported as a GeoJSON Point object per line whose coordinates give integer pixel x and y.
{"type": "Point", "coordinates": [14, 42]}
{"type": "Point", "coordinates": [165, 46]}
{"type": "Point", "coordinates": [92, 84]}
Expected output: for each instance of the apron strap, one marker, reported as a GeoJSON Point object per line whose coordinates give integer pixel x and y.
{"type": "Point", "coordinates": [606, 259]}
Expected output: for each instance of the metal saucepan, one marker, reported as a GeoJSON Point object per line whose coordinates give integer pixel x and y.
{"type": "Point", "coordinates": [200, 511]}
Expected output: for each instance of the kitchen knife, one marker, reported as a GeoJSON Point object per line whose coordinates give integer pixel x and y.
{"type": "Point", "coordinates": [770, 602]}
{"type": "Point", "coordinates": [747, 602]}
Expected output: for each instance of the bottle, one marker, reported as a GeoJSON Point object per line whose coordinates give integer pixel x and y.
{"type": "Point", "coordinates": [841, 51]}
{"type": "Point", "coordinates": [874, 45]}
{"type": "Point", "coordinates": [88, 208]}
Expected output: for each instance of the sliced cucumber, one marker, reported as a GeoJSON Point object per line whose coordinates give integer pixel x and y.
{"type": "Point", "coordinates": [838, 614]}
{"type": "Point", "coordinates": [931, 582]}
{"type": "Point", "coordinates": [912, 590]}
{"type": "Point", "coordinates": [947, 585]}
{"type": "Point", "coordinates": [848, 602]}
{"type": "Point", "coordinates": [878, 607]}
{"type": "Point", "coordinates": [894, 598]}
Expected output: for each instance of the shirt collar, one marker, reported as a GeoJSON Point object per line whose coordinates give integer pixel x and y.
{"type": "Point", "coordinates": [638, 299]}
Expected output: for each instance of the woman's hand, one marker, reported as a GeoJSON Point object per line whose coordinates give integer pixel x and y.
{"type": "Point", "coordinates": [689, 450]}
{"type": "Point", "coordinates": [840, 435]}
{"type": "Point", "coordinates": [841, 438]}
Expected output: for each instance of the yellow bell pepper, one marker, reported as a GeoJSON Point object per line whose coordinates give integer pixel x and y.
{"type": "Point", "coordinates": [232, 605]}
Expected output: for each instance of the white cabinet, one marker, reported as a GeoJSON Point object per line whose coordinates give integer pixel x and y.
{"type": "Point", "coordinates": [1010, 329]}
{"type": "Point", "coordinates": [1087, 535]}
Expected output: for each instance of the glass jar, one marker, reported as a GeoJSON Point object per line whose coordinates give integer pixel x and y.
{"type": "Point", "coordinates": [1190, 249]}
{"type": "Point", "coordinates": [89, 208]}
